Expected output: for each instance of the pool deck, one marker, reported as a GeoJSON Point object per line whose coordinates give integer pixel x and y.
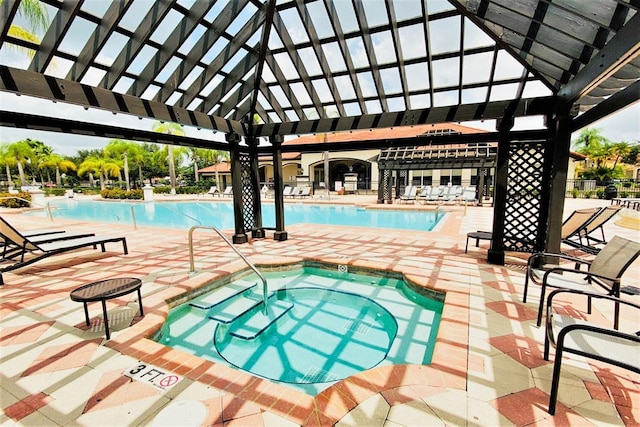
{"type": "Point", "coordinates": [487, 367]}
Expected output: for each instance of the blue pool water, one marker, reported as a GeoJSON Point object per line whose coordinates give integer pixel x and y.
{"type": "Point", "coordinates": [321, 325]}
{"type": "Point", "coordinates": [220, 214]}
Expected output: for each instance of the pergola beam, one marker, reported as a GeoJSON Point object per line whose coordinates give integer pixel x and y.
{"type": "Point", "coordinates": [615, 102]}
{"type": "Point", "coordinates": [621, 49]}
{"type": "Point", "coordinates": [74, 127]}
{"type": "Point", "coordinates": [23, 82]}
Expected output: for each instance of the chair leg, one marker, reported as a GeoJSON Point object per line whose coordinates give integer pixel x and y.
{"type": "Point", "coordinates": [526, 287]}
{"type": "Point", "coordinates": [541, 306]}
{"type": "Point", "coordinates": [553, 395]}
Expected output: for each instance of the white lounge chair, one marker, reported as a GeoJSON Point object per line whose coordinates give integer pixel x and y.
{"type": "Point", "coordinates": [214, 191]}
{"type": "Point", "coordinates": [409, 194]}
{"type": "Point", "coordinates": [228, 192]}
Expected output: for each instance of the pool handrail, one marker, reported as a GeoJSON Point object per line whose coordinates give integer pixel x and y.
{"type": "Point", "coordinates": [265, 289]}
{"type": "Point", "coordinates": [31, 202]}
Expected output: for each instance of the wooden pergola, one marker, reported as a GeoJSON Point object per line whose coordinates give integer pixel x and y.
{"type": "Point", "coordinates": [261, 70]}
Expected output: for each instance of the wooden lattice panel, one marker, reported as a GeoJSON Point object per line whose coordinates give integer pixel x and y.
{"type": "Point", "coordinates": [524, 191]}
{"type": "Point", "coordinates": [384, 189]}
{"type": "Point", "coordinates": [247, 192]}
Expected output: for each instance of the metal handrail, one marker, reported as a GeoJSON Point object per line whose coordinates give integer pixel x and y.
{"type": "Point", "coordinates": [265, 290]}
{"type": "Point", "coordinates": [31, 202]}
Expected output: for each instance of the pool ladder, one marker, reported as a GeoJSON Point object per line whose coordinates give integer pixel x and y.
{"type": "Point", "coordinates": [265, 296]}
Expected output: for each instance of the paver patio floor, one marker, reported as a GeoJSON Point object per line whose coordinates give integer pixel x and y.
{"type": "Point", "coordinates": [487, 367]}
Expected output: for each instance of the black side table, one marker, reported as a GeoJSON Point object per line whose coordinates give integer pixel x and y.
{"type": "Point", "coordinates": [104, 290]}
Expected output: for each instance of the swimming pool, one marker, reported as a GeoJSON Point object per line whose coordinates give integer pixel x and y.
{"type": "Point", "coordinates": [220, 214]}
{"type": "Point", "coordinates": [322, 325]}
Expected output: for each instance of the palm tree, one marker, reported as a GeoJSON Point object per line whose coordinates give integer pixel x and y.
{"type": "Point", "coordinates": [207, 157]}
{"type": "Point", "coordinates": [23, 153]}
{"type": "Point", "coordinates": [620, 150]}
{"type": "Point", "coordinates": [128, 150]}
{"type": "Point", "coordinates": [35, 13]}
{"type": "Point", "coordinates": [41, 152]}
{"type": "Point", "coordinates": [8, 160]}
{"type": "Point", "coordinates": [170, 129]}
{"type": "Point", "coordinates": [592, 144]}
{"type": "Point", "coordinates": [102, 166]}
{"type": "Point", "coordinates": [59, 163]}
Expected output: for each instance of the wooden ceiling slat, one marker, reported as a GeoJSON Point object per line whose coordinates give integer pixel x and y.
{"type": "Point", "coordinates": [371, 53]}
{"type": "Point", "coordinates": [136, 42]}
{"type": "Point", "coordinates": [285, 37]}
{"type": "Point", "coordinates": [98, 38]}
{"type": "Point", "coordinates": [215, 66]}
{"type": "Point", "coordinates": [344, 50]}
{"type": "Point", "coordinates": [54, 36]}
{"type": "Point", "coordinates": [170, 46]}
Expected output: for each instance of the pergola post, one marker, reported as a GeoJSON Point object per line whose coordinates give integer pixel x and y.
{"type": "Point", "coordinates": [240, 235]}
{"type": "Point", "coordinates": [252, 191]}
{"type": "Point", "coordinates": [278, 184]}
{"type": "Point", "coordinates": [558, 156]}
{"type": "Point", "coordinates": [496, 252]}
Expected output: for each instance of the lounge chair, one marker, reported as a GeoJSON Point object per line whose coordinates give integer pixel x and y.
{"type": "Point", "coordinates": [452, 193]}
{"type": "Point", "coordinates": [214, 191]}
{"type": "Point", "coordinates": [303, 192]}
{"type": "Point", "coordinates": [586, 339]}
{"type": "Point", "coordinates": [228, 192]}
{"type": "Point", "coordinates": [409, 194]}
{"type": "Point", "coordinates": [576, 222]}
{"type": "Point", "coordinates": [10, 250]}
{"type": "Point", "coordinates": [435, 193]}
{"type": "Point", "coordinates": [293, 192]}
{"type": "Point", "coordinates": [37, 251]}
{"type": "Point", "coordinates": [469, 195]}
{"type": "Point", "coordinates": [597, 222]}
{"type": "Point", "coordinates": [605, 271]}
{"type": "Point", "coordinates": [424, 193]}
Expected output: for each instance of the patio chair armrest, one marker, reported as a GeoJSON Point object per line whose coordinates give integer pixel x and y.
{"type": "Point", "coordinates": [588, 294]}
{"type": "Point", "coordinates": [555, 292]}
{"type": "Point", "coordinates": [560, 255]}
{"type": "Point", "coordinates": [575, 271]}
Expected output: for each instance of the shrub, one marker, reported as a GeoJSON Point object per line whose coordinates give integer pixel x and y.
{"type": "Point", "coordinates": [600, 193]}
{"type": "Point", "coordinates": [14, 200]}
{"type": "Point", "coordinates": [55, 191]}
{"type": "Point", "coordinates": [624, 194]}
{"type": "Point", "coordinates": [116, 193]}
{"type": "Point", "coordinates": [575, 193]}
{"type": "Point", "coordinates": [588, 194]}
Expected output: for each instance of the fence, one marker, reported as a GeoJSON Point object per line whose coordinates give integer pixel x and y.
{"type": "Point", "coordinates": [592, 189]}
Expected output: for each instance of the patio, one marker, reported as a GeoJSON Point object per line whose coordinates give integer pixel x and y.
{"type": "Point", "coordinates": [487, 367]}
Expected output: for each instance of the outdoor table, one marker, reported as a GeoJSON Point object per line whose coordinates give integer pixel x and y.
{"type": "Point", "coordinates": [478, 235]}
{"type": "Point", "coordinates": [104, 290]}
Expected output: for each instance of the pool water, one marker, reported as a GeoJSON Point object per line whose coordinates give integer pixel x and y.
{"type": "Point", "coordinates": [185, 215]}
{"type": "Point", "coordinates": [321, 325]}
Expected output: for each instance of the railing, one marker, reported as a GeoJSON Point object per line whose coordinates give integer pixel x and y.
{"type": "Point", "coordinates": [47, 207]}
{"type": "Point", "coordinates": [192, 268]}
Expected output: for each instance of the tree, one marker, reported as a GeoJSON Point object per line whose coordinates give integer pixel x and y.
{"type": "Point", "coordinates": [620, 150]}
{"type": "Point", "coordinates": [59, 163]}
{"type": "Point", "coordinates": [170, 129]}
{"type": "Point", "coordinates": [36, 15]}
{"type": "Point", "coordinates": [592, 144]}
{"type": "Point", "coordinates": [41, 152]}
{"type": "Point", "coordinates": [103, 166]}
{"type": "Point", "coordinates": [23, 153]}
{"type": "Point", "coordinates": [8, 160]}
{"type": "Point", "coordinates": [127, 150]}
